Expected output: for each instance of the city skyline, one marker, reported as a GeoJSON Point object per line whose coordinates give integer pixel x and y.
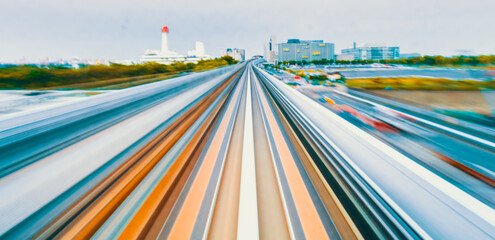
{"type": "Point", "coordinates": [122, 30]}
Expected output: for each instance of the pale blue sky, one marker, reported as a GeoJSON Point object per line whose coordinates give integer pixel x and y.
{"type": "Point", "coordinates": [123, 29]}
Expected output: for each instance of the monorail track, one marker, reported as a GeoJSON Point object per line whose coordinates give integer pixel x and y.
{"type": "Point", "coordinates": [236, 156]}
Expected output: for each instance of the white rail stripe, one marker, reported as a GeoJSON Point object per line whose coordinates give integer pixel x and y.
{"type": "Point", "coordinates": [247, 225]}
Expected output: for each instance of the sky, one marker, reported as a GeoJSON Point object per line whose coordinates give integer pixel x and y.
{"type": "Point", "coordinates": [123, 29]}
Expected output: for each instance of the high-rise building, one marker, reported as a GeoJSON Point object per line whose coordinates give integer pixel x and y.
{"type": "Point", "coordinates": [372, 52]}
{"type": "Point", "coordinates": [198, 52]}
{"type": "Point", "coordinates": [237, 54]}
{"type": "Point", "coordinates": [305, 50]}
{"type": "Point", "coordinates": [271, 50]}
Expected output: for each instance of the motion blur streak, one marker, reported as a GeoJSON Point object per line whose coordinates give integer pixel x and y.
{"type": "Point", "coordinates": [231, 153]}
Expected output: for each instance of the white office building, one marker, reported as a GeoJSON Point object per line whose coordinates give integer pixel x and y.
{"type": "Point", "coordinates": [305, 50]}
{"type": "Point", "coordinates": [237, 54]}
{"type": "Point", "coordinates": [165, 56]}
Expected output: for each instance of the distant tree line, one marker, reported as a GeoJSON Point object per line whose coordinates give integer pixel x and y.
{"type": "Point", "coordinates": [419, 83]}
{"type": "Point", "coordinates": [482, 60]}
{"type": "Point", "coordinates": [31, 76]}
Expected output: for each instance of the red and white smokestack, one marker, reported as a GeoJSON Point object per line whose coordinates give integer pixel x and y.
{"type": "Point", "coordinates": [164, 39]}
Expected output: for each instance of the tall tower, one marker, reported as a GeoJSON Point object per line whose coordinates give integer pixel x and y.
{"type": "Point", "coordinates": [164, 40]}
{"type": "Point", "coordinates": [271, 51]}
{"type": "Point", "coordinates": [273, 43]}
{"type": "Point", "coordinates": [200, 49]}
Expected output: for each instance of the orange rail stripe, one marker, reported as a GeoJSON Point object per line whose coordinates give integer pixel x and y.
{"type": "Point", "coordinates": [272, 219]}
{"type": "Point", "coordinates": [93, 217]}
{"type": "Point", "coordinates": [343, 222]}
{"type": "Point", "coordinates": [142, 220]}
{"type": "Point", "coordinates": [310, 220]}
{"type": "Point", "coordinates": [106, 182]}
{"type": "Point", "coordinates": [184, 223]}
{"type": "Point", "coordinates": [225, 214]}
{"type": "Point", "coordinates": [168, 201]}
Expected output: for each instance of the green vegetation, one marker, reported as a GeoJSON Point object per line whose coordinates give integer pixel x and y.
{"type": "Point", "coordinates": [34, 77]}
{"type": "Point", "coordinates": [414, 83]}
{"type": "Point", "coordinates": [320, 77]}
{"type": "Point", "coordinates": [482, 60]}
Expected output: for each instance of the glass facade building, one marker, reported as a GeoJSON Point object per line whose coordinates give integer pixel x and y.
{"type": "Point", "coordinates": [372, 53]}
{"type": "Point", "coordinates": [299, 50]}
